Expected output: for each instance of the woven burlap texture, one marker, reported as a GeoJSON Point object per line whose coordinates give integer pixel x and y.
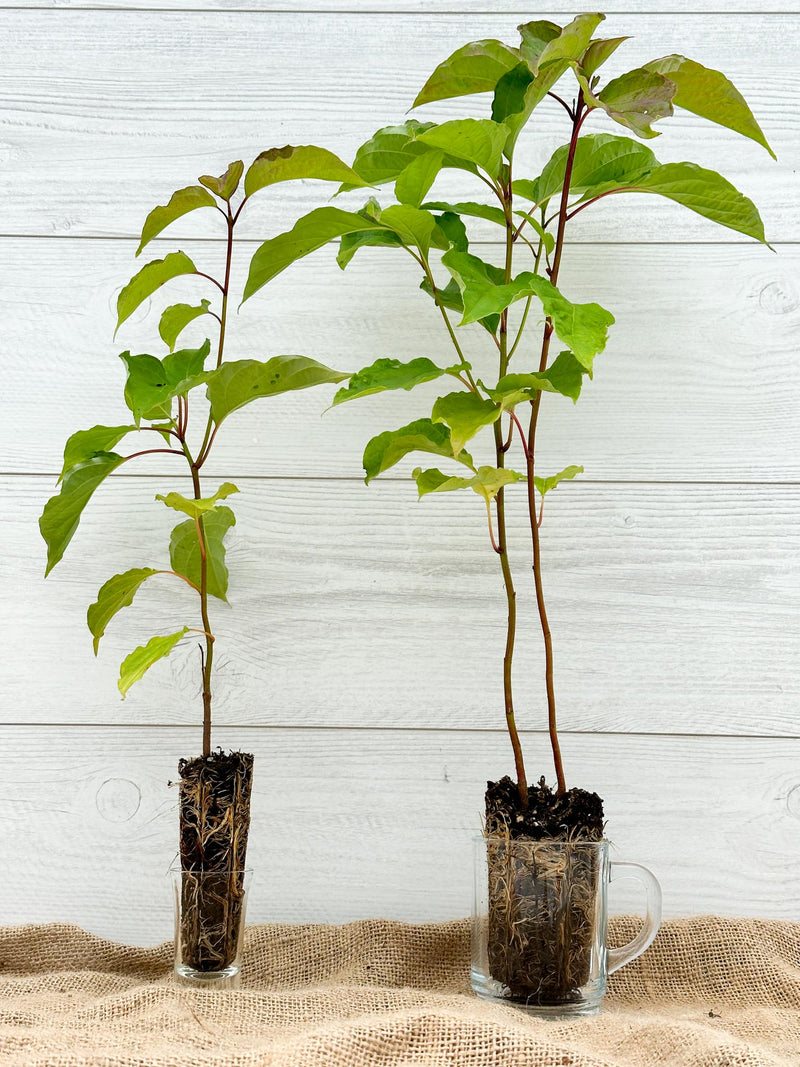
{"type": "Point", "coordinates": [711, 992]}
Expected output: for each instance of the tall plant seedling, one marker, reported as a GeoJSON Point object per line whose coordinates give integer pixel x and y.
{"type": "Point", "coordinates": [531, 215]}
{"type": "Point", "coordinates": [161, 395]}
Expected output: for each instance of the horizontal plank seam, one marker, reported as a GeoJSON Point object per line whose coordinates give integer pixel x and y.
{"type": "Point", "coordinates": [260, 240]}
{"type": "Point", "coordinates": [55, 724]}
{"type": "Point", "coordinates": [376, 11]}
{"type": "Point", "coordinates": [757, 482]}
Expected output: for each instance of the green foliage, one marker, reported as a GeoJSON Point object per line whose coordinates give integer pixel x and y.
{"type": "Point", "coordinates": [135, 665]}
{"type": "Point", "coordinates": [291, 162]}
{"type": "Point", "coordinates": [385, 156]}
{"type": "Point", "coordinates": [386, 374]}
{"type": "Point", "coordinates": [177, 317]}
{"type": "Point", "coordinates": [239, 382]}
{"type": "Point", "coordinates": [711, 95]}
{"type": "Point", "coordinates": [186, 556]}
{"type": "Point", "coordinates": [474, 68]}
{"type": "Point", "coordinates": [476, 141]}
{"type": "Point", "coordinates": [308, 234]}
{"type": "Point", "coordinates": [636, 100]}
{"type": "Point", "coordinates": [117, 593]}
{"type": "Point", "coordinates": [486, 482]}
{"type": "Point", "coordinates": [62, 513]}
{"type": "Point", "coordinates": [564, 376]}
{"type": "Point", "coordinates": [226, 184]}
{"type": "Point", "coordinates": [197, 506]}
{"type": "Point", "coordinates": [415, 228]}
{"type": "Point", "coordinates": [423, 435]}
{"type": "Point", "coordinates": [86, 444]}
{"type": "Point", "coordinates": [600, 160]}
{"type": "Point", "coordinates": [465, 414]}
{"type": "Point", "coordinates": [150, 279]}
{"type": "Point", "coordinates": [351, 242]}
{"type": "Point", "coordinates": [152, 383]}
{"type": "Point", "coordinates": [415, 180]}
{"type": "Point", "coordinates": [544, 485]}
{"type": "Point", "coordinates": [181, 203]}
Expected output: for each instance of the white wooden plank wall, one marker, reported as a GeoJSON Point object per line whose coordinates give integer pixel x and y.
{"type": "Point", "coordinates": [359, 656]}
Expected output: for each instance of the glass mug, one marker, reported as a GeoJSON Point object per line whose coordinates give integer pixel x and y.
{"type": "Point", "coordinates": [540, 922]}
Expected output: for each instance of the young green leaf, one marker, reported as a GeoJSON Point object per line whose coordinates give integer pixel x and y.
{"type": "Point", "coordinates": [308, 234]}
{"type": "Point", "coordinates": [388, 152]}
{"type": "Point", "coordinates": [415, 180]}
{"type": "Point", "coordinates": [194, 508]}
{"type": "Point", "coordinates": [86, 444]}
{"type": "Point", "coordinates": [239, 382]}
{"type": "Point", "coordinates": [636, 100]}
{"type": "Point", "coordinates": [62, 513]}
{"type": "Point", "coordinates": [452, 226]}
{"type": "Point", "coordinates": [148, 280]}
{"type": "Point", "coordinates": [351, 242]}
{"type": "Point", "coordinates": [465, 414]}
{"type": "Point", "coordinates": [152, 383]}
{"type": "Point", "coordinates": [388, 448]}
{"type": "Point", "coordinates": [478, 141]}
{"type": "Point", "coordinates": [711, 95]}
{"type": "Point", "coordinates": [600, 158]}
{"type": "Point", "coordinates": [511, 103]}
{"type": "Point", "coordinates": [181, 203]}
{"type": "Point", "coordinates": [386, 374]}
{"type": "Point", "coordinates": [135, 665]}
{"type": "Point", "coordinates": [226, 184]}
{"type": "Point", "coordinates": [177, 317]}
{"type": "Point", "coordinates": [554, 59]}
{"type": "Point", "coordinates": [415, 228]}
{"type": "Point", "coordinates": [564, 376]}
{"type": "Point", "coordinates": [598, 52]}
{"type": "Point", "coordinates": [535, 38]}
{"type": "Point", "coordinates": [544, 485]}
{"type": "Point", "coordinates": [300, 161]}
{"type": "Point", "coordinates": [185, 555]}
{"type": "Point", "coordinates": [478, 211]}
{"type": "Point", "coordinates": [474, 68]}
{"type": "Point", "coordinates": [705, 192]}
{"type": "Point", "coordinates": [117, 593]}
{"type": "Point", "coordinates": [487, 482]}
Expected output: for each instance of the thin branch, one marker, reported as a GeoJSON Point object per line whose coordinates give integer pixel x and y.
{"type": "Point", "coordinates": [564, 104]}
{"type": "Point", "coordinates": [518, 338]}
{"type": "Point", "coordinates": [183, 578]}
{"type": "Point", "coordinates": [200, 274]}
{"type": "Point", "coordinates": [541, 512]}
{"type": "Point", "coordinates": [153, 452]}
{"type": "Point", "coordinates": [495, 546]}
{"type": "Point", "coordinates": [610, 192]}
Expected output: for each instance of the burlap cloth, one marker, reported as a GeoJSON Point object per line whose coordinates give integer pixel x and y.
{"type": "Point", "coordinates": [710, 993]}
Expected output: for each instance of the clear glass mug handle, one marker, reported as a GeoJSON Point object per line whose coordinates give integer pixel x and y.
{"type": "Point", "coordinates": [618, 957]}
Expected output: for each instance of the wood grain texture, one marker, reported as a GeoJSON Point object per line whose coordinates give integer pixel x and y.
{"type": "Point", "coordinates": [165, 95]}
{"type": "Point", "coordinates": [699, 380]}
{"type": "Point", "coordinates": [673, 609]}
{"type": "Point", "coordinates": [348, 825]}
{"type": "Point", "coordinates": [410, 7]}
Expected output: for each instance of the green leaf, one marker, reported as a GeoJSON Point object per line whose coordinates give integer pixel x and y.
{"type": "Point", "coordinates": [583, 327]}
{"type": "Point", "coordinates": [564, 376]}
{"type": "Point", "coordinates": [535, 38]}
{"type": "Point", "coordinates": [388, 448]}
{"type": "Point", "coordinates": [474, 68]}
{"type": "Point", "coordinates": [552, 60]}
{"type": "Point", "coordinates": [308, 234]}
{"type": "Point", "coordinates": [86, 444]}
{"type": "Point", "coordinates": [708, 93]}
{"type": "Point", "coordinates": [301, 161]}
{"type": "Point", "coordinates": [705, 192]}
{"type": "Point", "coordinates": [452, 226]}
{"type": "Point", "coordinates": [62, 513]}
{"type": "Point", "coordinates": [152, 383]}
{"type": "Point", "coordinates": [194, 508]}
{"type": "Point", "coordinates": [388, 152]}
{"type": "Point", "coordinates": [478, 141]}
{"type": "Point", "coordinates": [510, 104]}
{"type": "Point", "coordinates": [177, 317]}
{"type": "Point", "coordinates": [465, 414]}
{"type": "Point", "coordinates": [149, 279]}
{"type": "Point", "coordinates": [181, 203]}
{"type": "Point", "coordinates": [414, 227]}
{"type": "Point", "coordinates": [117, 593]}
{"type": "Point", "coordinates": [487, 482]}
{"type": "Point", "coordinates": [185, 555]}
{"type": "Point", "coordinates": [135, 665]}
{"type": "Point", "coordinates": [478, 211]}
{"type": "Point", "coordinates": [226, 184]}
{"type": "Point", "coordinates": [414, 182]}
{"type": "Point", "coordinates": [237, 383]}
{"type": "Point", "coordinates": [598, 52]}
{"type": "Point", "coordinates": [636, 100]}
{"type": "Point", "coordinates": [351, 242]}
{"type": "Point", "coordinates": [600, 159]}
{"type": "Point", "coordinates": [544, 485]}
{"type": "Point", "coordinates": [386, 374]}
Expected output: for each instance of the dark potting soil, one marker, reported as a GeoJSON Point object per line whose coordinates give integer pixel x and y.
{"type": "Point", "coordinates": [541, 900]}
{"type": "Point", "coordinates": [214, 825]}
{"type": "Point", "coordinates": [576, 814]}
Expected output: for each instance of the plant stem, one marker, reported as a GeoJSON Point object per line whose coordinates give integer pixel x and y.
{"type": "Point", "coordinates": [577, 120]}
{"type": "Point", "coordinates": [500, 508]}
{"type": "Point", "coordinates": [423, 262]}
